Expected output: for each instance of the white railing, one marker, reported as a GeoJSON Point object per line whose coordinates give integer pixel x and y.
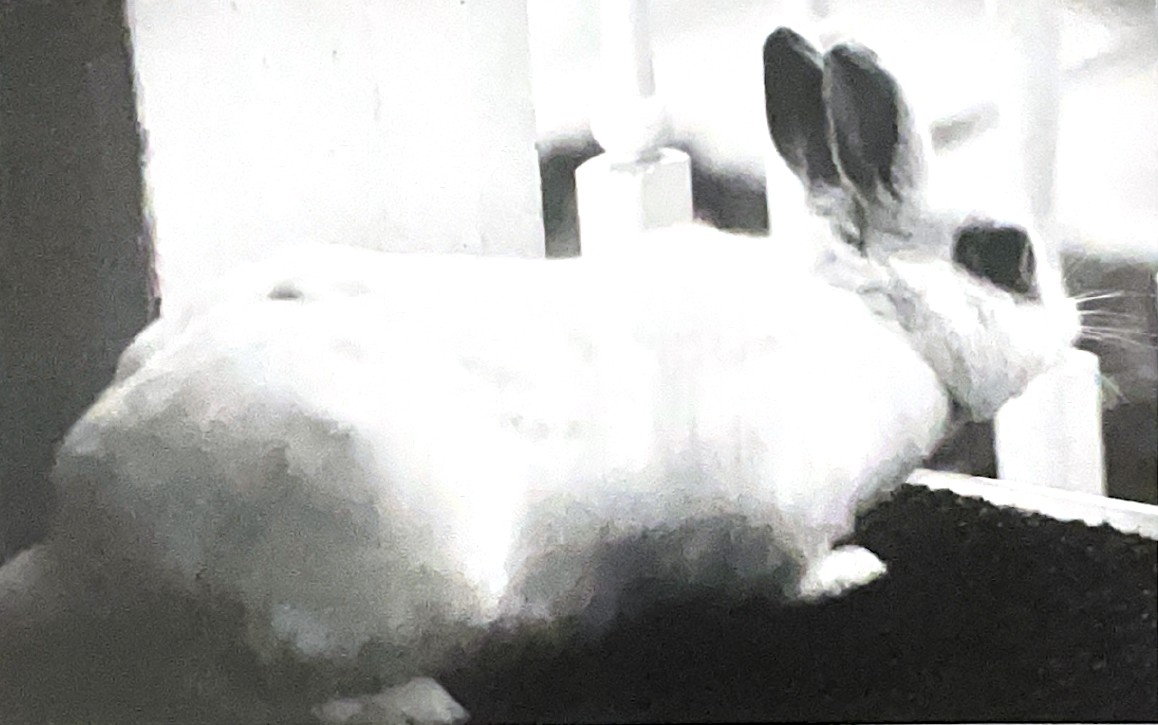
{"type": "Point", "coordinates": [1129, 517]}
{"type": "Point", "coordinates": [1051, 435]}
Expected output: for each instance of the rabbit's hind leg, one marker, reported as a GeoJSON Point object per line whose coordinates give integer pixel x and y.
{"type": "Point", "coordinates": [421, 701]}
{"type": "Point", "coordinates": [839, 570]}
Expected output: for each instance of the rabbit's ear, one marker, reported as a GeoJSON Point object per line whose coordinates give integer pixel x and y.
{"type": "Point", "coordinates": [795, 107]}
{"type": "Point", "coordinates": [873, 141]}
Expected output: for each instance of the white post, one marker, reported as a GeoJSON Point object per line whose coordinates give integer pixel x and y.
{"type": "Point", "coordinates": [637, 184]}
{"type": "Point", "coordinates": [1039, 43]}
{"type": "Point", "coordinates": [1051, 435]}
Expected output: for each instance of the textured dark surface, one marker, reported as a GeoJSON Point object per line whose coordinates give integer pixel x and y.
{"type": "Point", "coordinates": [986, 615]}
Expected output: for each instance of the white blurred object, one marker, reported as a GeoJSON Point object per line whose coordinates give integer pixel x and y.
{"type": "Point", "coordinates": [1051, 434]}
{"type": "Point", "coordinates": [636, 184]}
{"type": "Point", "coordinates": [1129, 517]}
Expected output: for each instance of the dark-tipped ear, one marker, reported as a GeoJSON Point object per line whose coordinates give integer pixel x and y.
{"type": "Point", "coordinates": [872, 135]}
{"type": "Point", "coordinates": [793, 101]}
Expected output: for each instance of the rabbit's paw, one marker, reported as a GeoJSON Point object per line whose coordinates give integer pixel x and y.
{"type": "Point", "coordinates": [843, 568]}
{"type": "Point", "coordinates": [422, 701]}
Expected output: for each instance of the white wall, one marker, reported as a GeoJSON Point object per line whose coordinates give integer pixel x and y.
{"type": "Point", "coordinates": [402, 125]}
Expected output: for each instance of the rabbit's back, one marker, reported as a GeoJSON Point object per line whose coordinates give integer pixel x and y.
{"type": "Point", "coordinates": [392, 422]}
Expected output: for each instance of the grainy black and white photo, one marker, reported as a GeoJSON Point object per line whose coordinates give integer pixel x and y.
{"type": "Point", "coordinates": [428, 362]}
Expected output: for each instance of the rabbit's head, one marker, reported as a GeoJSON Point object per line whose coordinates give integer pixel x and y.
{"type": "Point", "coordinates": [975, 298]}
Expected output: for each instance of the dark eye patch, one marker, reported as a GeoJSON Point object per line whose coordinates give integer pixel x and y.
{"type": "Point", "coordinates": [1000, 254]}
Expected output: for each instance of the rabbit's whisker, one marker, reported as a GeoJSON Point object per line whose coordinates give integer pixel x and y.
{"type": "Point", "coordinates": [1112, 315]}
{"type": "Point", "coordinates": [1121, 337]}
{"type": "Point", "coordinates": [1109, 295]}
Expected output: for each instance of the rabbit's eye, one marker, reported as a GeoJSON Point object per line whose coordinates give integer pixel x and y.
{"type": "Point", "coordinates": [1000, 254]}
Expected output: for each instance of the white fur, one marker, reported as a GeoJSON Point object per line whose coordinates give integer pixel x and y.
{"type": "Point", "coordinates": [386, 434]}
{"type": "Point", "coordinates": [466, 388]}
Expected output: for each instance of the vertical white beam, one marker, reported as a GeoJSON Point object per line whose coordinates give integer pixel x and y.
{"type": "Point", "coordinates": [1030, 96]}
{"type": "Point", "coordinates": [636, 184]}
{"type": "Point", "coordinates": [1040, 43]}
{"type": "Point", "coordinates": [1052, 434]}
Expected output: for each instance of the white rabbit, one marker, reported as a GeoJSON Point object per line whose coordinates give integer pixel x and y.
{"type": "Point", "coordinates": [375, 456]}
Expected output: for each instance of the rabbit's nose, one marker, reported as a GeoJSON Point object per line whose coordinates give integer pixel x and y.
{"type": "Point", "coordinates": [999, 254]}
